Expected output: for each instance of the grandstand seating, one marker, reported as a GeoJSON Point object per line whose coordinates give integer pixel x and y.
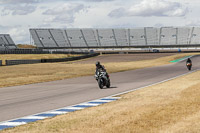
{"type": "Point", "coordinates": [90, 38]}
{"type": "Point", "coordinates": [137, 37]}
{"type": "Point", "coordinates": [6, 42]}
{"type": "Point", "coordinates": [183, 36]}
{"type": "Point", "coordinates": [152, 35]}
{"type": "Point", "coordinates": [195, 36]}
{"type": "Point", "coordinates": [168, 36]}
{"type": "Point", "coordinates": [121, 37]}
{"type": "Point", "coordinates": [106, 37]}
{"type": "Point", "coordinates": [103, 38]}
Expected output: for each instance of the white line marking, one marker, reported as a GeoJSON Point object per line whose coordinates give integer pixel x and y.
{"type": "Point", "coordinates": [13, 123]}
{"type": "Point", "coordinates": [34, 117]}
{"type": "Point", "coordinates": [55, 112]}
{"type": "Point", "coordinates": [88, 104]}
{"type": "Point", "coordinates": [73, 108]}
{"type": "Point", "coordinates": [106, 101]}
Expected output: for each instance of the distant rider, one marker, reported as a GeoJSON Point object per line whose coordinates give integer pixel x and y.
{"type": "Point", "coordinates": [188, 61]}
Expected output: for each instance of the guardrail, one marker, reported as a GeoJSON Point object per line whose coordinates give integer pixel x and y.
{"type": "Point", "coordinates": [17, 62]}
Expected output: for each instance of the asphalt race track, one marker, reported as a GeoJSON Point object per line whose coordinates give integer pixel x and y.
{"type": "Point", "coordinates": [20, 101]}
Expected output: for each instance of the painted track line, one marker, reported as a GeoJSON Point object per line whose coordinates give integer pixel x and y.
{"type": "Point", "coordinates": [52, 113]}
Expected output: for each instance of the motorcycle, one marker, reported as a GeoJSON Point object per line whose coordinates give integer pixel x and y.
{"type": "Point", "coordinates": [189, 66]}
{"type": "Point", "coordinates": [103, 79]}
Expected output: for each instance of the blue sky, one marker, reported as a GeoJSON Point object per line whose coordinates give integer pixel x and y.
{"type": "Point", "coordinates": [17, 16]}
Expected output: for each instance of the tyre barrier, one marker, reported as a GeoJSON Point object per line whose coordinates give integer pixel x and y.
{"type": "Point", "coordinates": [18, 62]}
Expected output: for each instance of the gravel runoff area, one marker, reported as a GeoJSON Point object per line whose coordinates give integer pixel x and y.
{"type": "Point", "coordinates": [124, 57]}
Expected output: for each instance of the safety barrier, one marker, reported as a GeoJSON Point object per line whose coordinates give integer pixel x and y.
{"type": "Point", "coordinates": [17, 62]}
{"type": "Point", "coordinates": [40, 51]}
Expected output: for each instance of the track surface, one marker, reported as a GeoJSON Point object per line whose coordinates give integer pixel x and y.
{"type": "Point", "coordinates": [26, 100]}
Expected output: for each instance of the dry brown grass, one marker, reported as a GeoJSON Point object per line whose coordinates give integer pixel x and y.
{"type": "Point", "coordinates": [173, 106]}
{"type": "Point", "coordinates": [26, 46]}
{"type": "Point", "coordinates": [36, 73]}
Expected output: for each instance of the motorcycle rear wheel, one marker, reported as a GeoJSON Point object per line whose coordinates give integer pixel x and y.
{"type": "Point", "coordinates": [108, 85]}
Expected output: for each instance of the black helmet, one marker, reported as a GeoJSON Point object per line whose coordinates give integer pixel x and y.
{"type": "Point", "coordinates": [97, 63]}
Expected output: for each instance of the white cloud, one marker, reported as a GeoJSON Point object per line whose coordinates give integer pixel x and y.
{"type": "Point", "coordinates": [18, 10]}
{"type": "Point", "coordinates": [152, 8]}
{"type": "Point", "coordinates": [18, 1]}
{"type": "Point", "coordinates": [193, 22]}
{"type": "Point", "coordinates": [17, 32]}
{"type": "Point", "coordinates": [64, 14]}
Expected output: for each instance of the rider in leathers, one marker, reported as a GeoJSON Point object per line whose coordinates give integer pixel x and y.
{"type": "Point", "coordinates": [99, 67]}
{"type": "Point", "coordinates": [188, 61]}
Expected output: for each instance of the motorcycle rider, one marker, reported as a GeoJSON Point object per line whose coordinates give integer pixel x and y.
{"type": "Point", "coordinates": [98, 68]}
{"type": "Point", "coordinates": [188, 61]}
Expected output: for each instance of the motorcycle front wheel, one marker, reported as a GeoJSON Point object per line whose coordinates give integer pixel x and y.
{"type": "Point", "coordinates": [100, 83]}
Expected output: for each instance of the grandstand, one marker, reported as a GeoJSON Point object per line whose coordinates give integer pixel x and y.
{"type": "Point", "coordinates": [116, 38]}
{"type": "Point", "coordinates": [6, 42]}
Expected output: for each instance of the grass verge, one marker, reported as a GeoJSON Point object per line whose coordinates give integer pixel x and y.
{"type": "Point", "coordinates": [36, 73]}
{"type": "Point", "coordinates": [172, 106]}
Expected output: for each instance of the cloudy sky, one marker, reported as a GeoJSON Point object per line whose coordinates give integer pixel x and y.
{"type": "Point", "coordinates": [17, 16]}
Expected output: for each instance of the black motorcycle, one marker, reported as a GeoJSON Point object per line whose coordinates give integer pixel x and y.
{"type": "Point", "coordinates": [189, 65]}
{"type": "Point", "coordinates": [103, 79]}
